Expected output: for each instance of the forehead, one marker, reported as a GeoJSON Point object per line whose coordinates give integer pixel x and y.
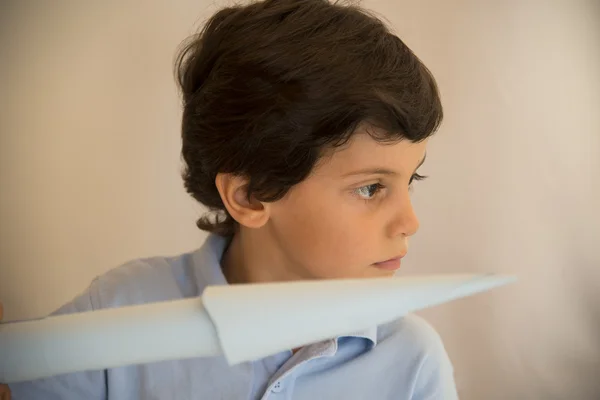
{"type": "Point", "coordinates": [362, 151]}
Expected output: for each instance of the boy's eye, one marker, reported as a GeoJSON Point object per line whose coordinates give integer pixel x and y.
{"type": "Point", "coordinates": [416, 177]}
{"type": "Point", "coordinates": [369, 191]}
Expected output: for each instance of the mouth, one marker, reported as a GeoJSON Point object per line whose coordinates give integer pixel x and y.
{"type": "Point", "coordinates": [392, 264]}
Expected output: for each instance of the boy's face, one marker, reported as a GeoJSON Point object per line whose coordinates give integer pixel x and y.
{"type": "Point", "coordinates": [352, 213]}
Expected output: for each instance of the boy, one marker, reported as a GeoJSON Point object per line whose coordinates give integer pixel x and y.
{"type": "Point", "coordinates": [304, 124]}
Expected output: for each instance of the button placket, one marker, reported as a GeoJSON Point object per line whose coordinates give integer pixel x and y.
{"type": "Point", "coordinates": [326, 348]}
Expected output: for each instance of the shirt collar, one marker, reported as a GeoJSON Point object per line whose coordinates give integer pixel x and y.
{"type": "Point", "coordinates": [207, 264]}
{"type": "Point", "coordinates": [207, 261]}
{"type": "Point", "coordinates": [369, 334]}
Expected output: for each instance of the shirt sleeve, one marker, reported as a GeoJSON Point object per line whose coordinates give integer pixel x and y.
{"type": "Point", "coordinates": [76, 386]}
{"type": "Point", "coordinates": [435, 378]}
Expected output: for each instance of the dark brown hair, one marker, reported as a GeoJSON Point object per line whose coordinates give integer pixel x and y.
{"type": "Point", "coordinates": [268, 86]}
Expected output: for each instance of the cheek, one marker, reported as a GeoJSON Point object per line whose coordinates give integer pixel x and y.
{"type": "Point", "coordinates": [330, 238]}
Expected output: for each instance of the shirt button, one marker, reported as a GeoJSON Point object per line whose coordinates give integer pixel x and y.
{"type": "Point", "coordinates": [278, 387]}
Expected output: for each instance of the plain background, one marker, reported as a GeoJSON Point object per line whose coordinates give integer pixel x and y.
{"type": "Point", "coordinates": [90, 169]}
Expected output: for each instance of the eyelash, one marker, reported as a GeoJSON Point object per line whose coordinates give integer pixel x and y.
{"type": "Point", "coordinates": [417, 177]}
{"type": "Point", "coordinates": [378, 186]}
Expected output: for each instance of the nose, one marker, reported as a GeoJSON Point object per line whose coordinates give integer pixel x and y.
{"type": "Point", "coordinates": [404, 221]}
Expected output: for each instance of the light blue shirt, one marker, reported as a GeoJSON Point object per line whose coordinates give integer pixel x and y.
{"type": "Point", "coordinates": [401, 360]}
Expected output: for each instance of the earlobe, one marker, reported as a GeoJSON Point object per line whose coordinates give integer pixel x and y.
{"type": "Point", "coordinates": [247, 212]}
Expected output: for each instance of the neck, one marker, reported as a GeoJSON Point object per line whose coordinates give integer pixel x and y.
{"type": "Point", "coordinates": [245, 261]}
{"type": "Point", "coordinates": [251, 258]}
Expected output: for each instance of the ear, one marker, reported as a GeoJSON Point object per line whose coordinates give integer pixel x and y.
{"type": "Point", "coordinates": [234, 194]}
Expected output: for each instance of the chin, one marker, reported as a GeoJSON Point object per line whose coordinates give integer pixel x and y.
{"type": "Point", "coordinates": [379, 273]}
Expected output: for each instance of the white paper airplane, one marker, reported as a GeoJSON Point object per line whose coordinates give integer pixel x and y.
{"type": "Point", "coordinates": [223, 321]}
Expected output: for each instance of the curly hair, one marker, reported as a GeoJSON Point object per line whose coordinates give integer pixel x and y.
{"type": "Point", "coordinates": [268, 86]}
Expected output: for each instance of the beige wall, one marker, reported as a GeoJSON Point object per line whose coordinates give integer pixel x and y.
{"type": "Point", "coordinates": [89, 169]}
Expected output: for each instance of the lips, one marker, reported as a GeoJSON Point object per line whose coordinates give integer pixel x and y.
{"type": "Point", "coordinates": [392, 264]}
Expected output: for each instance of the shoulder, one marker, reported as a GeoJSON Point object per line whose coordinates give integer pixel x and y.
{"type": "Point", "coordinates": [145, 280]}
{"type": "Point", "coordinates": [419, 353]}
{"type": "Point", "coordinates": [154, 279]}
{"type": "Point", "coordinates": [413, 330]}
{"type": "Point", "coordinates": [138, 281]}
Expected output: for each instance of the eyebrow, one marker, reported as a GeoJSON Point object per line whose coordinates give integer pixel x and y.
{"type": "Point", "coordinates": [380, 171]}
